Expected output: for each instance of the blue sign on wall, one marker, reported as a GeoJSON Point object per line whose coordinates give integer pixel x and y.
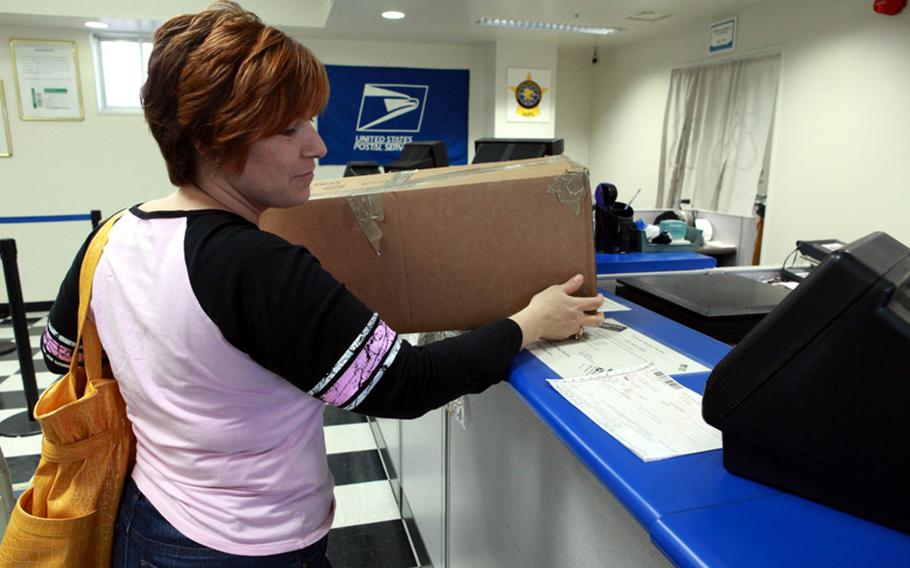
{"type": "Point", "coordinates": [374, 111]}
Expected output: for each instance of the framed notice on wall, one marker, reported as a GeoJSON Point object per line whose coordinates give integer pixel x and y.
{"type": "Point", "coordinates": [722, 36]}
{"type": "Point", "coordinates": [47, 79]}
{"type": "Point", "coordinates": [6, 146]}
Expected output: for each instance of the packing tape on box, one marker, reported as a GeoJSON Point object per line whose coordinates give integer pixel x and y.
{"type": "Point", "coordinates": [367, 210]}
{"type": "Point", "coordinates": [367, 204]}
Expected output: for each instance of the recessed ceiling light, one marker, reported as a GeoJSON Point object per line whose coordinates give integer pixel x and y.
{"type": "Point", "coordinates": [393, 15]}
{"type": "Point", "coordinates": [547, 26]}
{"type": "Point", "coordinates": [95, 25]}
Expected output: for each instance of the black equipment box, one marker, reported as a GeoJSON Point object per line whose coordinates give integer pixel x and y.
{"type": "Point", "coordinates": [506, 149]}
{"type": "Point", "coordinates": [720, 304]}
{"type": "Point", "coordinates": [818, 250]}
{"type": "Point", "coordinates": [419, 155]}
{"type": "Point", "coordinates": [816, 399]}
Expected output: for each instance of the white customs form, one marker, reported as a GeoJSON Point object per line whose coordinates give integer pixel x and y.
{"type": "Point", "coordinates": [611, 346]}
{"type": "Point", "coordinates": [644, 409]}
{"type": "Point", "coordinates": [612, 306]}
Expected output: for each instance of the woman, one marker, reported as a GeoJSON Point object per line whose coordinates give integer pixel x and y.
{"type": "Point", "coordinates": [228, 341]}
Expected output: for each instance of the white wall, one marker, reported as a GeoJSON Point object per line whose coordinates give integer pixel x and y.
{"type": "Point", "coordinates": [489, 114]}
{"type": "Point", "coordinates": [110, 161]}
{"type": "Point", "coordinates": [573, 104]}
{"type": "Point", "coordinates": [839, 165]}
{"type": "Point", "coordinates": [629, 91]}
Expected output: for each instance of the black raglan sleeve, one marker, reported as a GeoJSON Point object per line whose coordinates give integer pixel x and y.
{"type": "Point", "coordinates": [275, 302]}
{"type": "Point", "coordinates": [59, 335]}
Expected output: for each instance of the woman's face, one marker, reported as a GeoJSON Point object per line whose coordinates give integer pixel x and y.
{"type": "Point", "coordinates": [279, 169]}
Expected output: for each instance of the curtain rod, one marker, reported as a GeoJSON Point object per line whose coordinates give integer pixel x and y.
{"type": "Point", "coordinates": [772, 50]}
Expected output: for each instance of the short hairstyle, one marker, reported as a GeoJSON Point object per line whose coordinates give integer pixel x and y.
{"type": "Point", "coordinates": [221, 79]}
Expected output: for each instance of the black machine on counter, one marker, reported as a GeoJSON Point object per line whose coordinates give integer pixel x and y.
{"type": "Point", "coordinates": [723, 305]}
{"type": "Point", "coordinates": [505, 149]}
{"type": "Point", "coordinates": [420, 155]}
{"type": "Point", "coordinates": [815, 400]}
{"type": "Point", "coordinates": [811, 253]}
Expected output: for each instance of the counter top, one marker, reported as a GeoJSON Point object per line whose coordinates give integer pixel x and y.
{"type": "Point", "coordinates": [651, 262]}
{"type": "Point", "coordinates": [695, 511]}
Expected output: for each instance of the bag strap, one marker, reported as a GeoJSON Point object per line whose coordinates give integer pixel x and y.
{"type": "Point", "coordinates": [85, 329]}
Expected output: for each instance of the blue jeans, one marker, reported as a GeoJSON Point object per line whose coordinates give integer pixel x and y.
{"type": "Point", "coordinates": [142, 537]}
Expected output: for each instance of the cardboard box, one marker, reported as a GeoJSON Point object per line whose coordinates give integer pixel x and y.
{"type": "Point", "coordinates": [449, 248]}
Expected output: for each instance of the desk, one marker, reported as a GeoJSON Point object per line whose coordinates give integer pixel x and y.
{"type": "Point", "coordinates": [652, 262]}
{"type": "Point", "coordinates": [530, 481]}
{"type": "Point", "coordinates": [696, 512]}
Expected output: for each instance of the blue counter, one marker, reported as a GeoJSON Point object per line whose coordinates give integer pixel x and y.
{"type": "Point", "coordinates": [652, 262]}
{"type": "Point", "coordinates": [696, 512]}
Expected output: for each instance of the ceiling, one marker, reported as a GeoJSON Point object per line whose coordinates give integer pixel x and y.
{"type": "Point", "coordinates": [427, 21]}
{"type": "Point", "coordinates": [453, 21]}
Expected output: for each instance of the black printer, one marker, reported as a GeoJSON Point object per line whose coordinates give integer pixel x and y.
{"type": "Point", "coordinates": [815, 400]}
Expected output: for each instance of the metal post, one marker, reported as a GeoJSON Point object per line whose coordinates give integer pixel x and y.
{"type": "Point", "coordinates": [96, 218]}
{"type": "Point", "coordinates": [21, 424]}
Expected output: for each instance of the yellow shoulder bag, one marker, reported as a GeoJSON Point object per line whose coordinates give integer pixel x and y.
{"type": "Point", "coordinates": [67, 517]}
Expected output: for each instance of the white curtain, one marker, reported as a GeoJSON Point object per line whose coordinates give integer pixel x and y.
{"type": "Point", "coordinates": [716, 132]}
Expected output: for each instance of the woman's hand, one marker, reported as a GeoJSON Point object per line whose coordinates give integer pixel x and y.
{"type": "Point", "coordinates": [554, 314]}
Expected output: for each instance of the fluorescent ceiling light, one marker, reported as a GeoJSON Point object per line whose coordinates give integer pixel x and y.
{"type": "Point", "coordinates": [393, 15]}
{"type": "Point", "coordinates": [504, 23]}
{"type": "Point", "coordinates": [95, 25]}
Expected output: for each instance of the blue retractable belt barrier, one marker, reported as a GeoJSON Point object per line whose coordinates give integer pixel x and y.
{"type": "Point", "coordinates": [46, 218]}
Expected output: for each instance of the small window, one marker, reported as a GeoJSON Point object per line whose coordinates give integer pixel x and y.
{"type": "Point", "coordinates": [121, 63]}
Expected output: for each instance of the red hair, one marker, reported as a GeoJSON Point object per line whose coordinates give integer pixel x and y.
{"type": "Point", "coordinates": [221, 79]}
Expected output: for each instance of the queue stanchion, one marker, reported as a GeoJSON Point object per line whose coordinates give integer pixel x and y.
{"type": "Point", "coordinates": [22, 423]}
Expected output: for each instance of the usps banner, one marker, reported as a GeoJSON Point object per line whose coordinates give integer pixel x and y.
{"type": "Point", "coordinates": [374, 111]}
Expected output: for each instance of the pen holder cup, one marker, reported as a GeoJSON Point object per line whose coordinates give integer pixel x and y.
{"type": "Point", "coordinates": [614, 229]}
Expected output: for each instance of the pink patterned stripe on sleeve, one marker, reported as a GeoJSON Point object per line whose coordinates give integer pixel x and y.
{"type": "Point", "coordinates": [55, 351]}
{"type": "Point", "coordinates": [358, 373]}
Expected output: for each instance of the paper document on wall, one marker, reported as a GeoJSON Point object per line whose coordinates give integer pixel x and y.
{"type": "Point", "coordinates": [611, 346]}
{"type": "Point", "coordinates": [644, 409]}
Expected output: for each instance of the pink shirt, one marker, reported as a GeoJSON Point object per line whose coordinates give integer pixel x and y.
{"type": "Point", "coordinates": [231, 454]}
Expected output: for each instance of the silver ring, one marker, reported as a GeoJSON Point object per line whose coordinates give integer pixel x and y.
{"type": "Point", "coordinates": [580, 333]}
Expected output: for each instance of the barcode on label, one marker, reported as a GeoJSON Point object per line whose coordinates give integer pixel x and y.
{"type": "Point", "coordinates": [667, 380]}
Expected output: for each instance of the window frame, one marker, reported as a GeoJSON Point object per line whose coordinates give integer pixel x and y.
{"type": "Point", "coordinates": [97, 39]}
